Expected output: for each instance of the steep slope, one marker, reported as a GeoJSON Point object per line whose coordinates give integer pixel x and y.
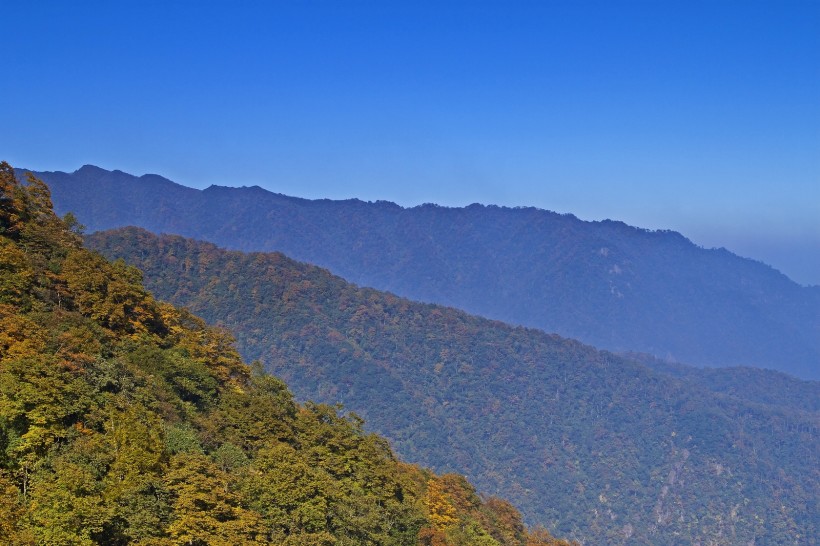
{"type": "Point", "coordinates": [598, 446]}
{"type": "Point", "coordinates": [605, 283]}
{"type": "Point", "coordinates": [127, 421]}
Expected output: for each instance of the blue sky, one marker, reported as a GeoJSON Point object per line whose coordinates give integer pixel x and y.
{"type": "Point", "coordinates": [698, 116]}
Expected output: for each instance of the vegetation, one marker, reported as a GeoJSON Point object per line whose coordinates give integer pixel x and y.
{"type": "Point", "coordinates": [755, 385]}
{"type": "Point", "coordinates": [596, 446]}
{"type": "Point", "coordinates": [124, 420]}
{"type": "Point", "coordinates": [605, 283]}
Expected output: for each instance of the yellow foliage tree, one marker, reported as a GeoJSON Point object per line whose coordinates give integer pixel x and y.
{"type": "Point", "coordinates": [442, 512]}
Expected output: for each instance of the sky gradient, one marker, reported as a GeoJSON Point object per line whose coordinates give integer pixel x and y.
{"type": "Point", "coordinates": [697, 116]}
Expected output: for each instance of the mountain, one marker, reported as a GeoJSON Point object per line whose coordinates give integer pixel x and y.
{"type": "Point", "coordinates": [600, 447]}
{"type": "Point", "coordinates": [608, 284]}
{"type": "Point", "coordinates": [750, 384]}
{"type": "Point", "coordinates": [126, 421]}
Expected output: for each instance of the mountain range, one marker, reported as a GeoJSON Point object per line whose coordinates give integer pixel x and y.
{"type": "Point", "coordinates": [127, 421]}
{"type": "Point", "coordinates": [605, 283]}
{"type": "Point", "coordinates": [602, 448]}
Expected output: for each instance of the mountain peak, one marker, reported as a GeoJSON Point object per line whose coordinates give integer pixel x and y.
{"type": "Point", "coordinates": [89, 169]}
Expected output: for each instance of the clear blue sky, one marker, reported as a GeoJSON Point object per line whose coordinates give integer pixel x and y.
{"type": "Point", "coordinates": [698, 116]}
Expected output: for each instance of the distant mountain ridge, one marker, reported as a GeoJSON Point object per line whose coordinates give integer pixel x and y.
{"type": "Point", "coordinates": [127, 422]}
{"type": "Point", "coordinates": [605, 283]}
{"type": "Point", "coordinates": [597, 446]}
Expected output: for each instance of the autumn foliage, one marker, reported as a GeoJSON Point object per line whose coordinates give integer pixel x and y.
{"type": "Point", "coordinates": [124, 420]}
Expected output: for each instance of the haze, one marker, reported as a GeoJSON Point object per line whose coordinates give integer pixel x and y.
{"type": "Point", "coordinates": [700, 117]}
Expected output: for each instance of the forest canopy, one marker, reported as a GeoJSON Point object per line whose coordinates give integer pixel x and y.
{"type": "Point", "coordinates": [125, 420]}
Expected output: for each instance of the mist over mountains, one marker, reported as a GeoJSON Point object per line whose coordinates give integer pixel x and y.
{"type": "Point", "coordinates": [605, 283]}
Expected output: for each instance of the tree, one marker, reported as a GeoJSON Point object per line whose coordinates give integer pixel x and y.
{"type": "Point", "coordinates": [11, 213]}
{"type": "Point", "coordinates": [206, 509]}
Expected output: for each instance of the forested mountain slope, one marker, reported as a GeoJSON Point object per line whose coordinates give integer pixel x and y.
{"type": "Point", "coordinates": [124, 421]}
{"type": "Point", "coordinates": [753, 385]}
{"type": "Point", "coordinates": [600, 447]}
{"type": "Point", "coordinates": [605, 283]}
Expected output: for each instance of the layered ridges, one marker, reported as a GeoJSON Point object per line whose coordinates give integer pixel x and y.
{"type": "Point", "coordinates": [605, 283]}
{"type": "Point", "coordinates": [596, 445]}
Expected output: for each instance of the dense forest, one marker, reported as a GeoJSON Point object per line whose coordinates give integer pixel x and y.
{"type": "Point", "coordinates": [124, 420]}
{"type": "Point", "coordinates": [599, 447]}
{"type": "Point", "coordinates": [754, 385]}
{"type": "Point", "coordinates": [611, 285]}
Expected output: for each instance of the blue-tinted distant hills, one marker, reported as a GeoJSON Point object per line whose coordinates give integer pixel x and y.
{"type": "Point", "coordinates": [606, 283]}
{"type": "Point", "coordinates": [602, 448]}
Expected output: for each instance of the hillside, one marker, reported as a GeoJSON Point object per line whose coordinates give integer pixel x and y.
{"type": "Point", "coordinates": [605, 283]}
{"type": "Point", "coordinates": [126, 421]}
{"type": "Point", "coordinates": [599, 447]}
{"type": "Point", "coordinates": [753, 385]}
